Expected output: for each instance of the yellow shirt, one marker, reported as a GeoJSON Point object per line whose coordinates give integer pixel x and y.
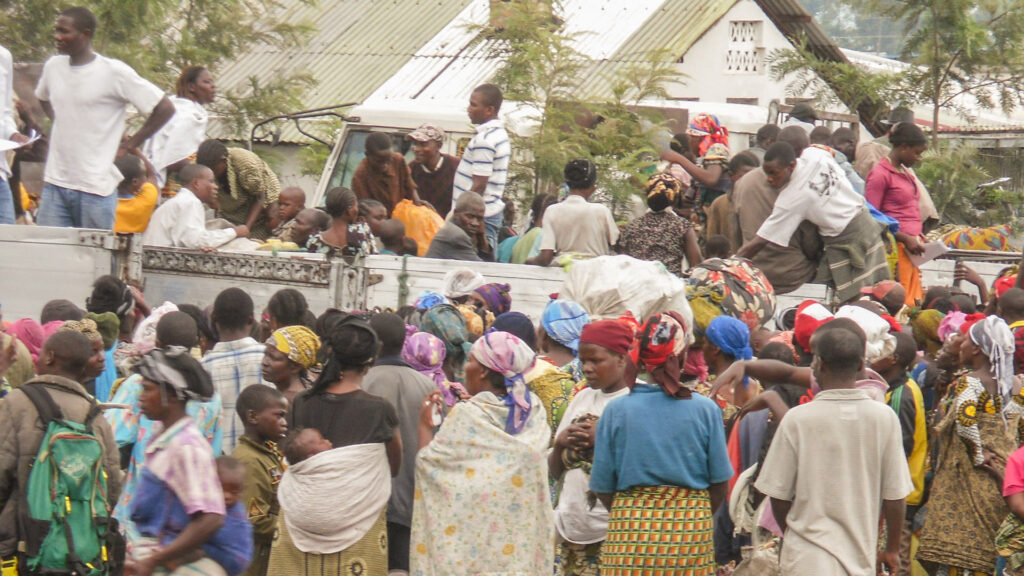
{"type": "Point", "coordinates": [133, 213]}
{"type": "Point", "coordinates": [910, 410]}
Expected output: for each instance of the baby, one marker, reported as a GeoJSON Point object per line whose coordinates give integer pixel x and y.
{"type": "Point", "coordinates": [304, 444]}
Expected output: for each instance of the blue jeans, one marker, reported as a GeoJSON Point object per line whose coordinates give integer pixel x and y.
{"type": "Point", "coordinates": [67, 208]}
{"type": "Point", "coordinates": [6, 202]}
{"type": "Point", "coordinates": [492, 226]}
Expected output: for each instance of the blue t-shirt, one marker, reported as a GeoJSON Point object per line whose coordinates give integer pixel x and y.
{"type": "Point", "coordinates": [650, 439]}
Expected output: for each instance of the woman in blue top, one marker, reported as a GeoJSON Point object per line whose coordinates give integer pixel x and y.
{"type": "Point", "coordinates": [660, 465]}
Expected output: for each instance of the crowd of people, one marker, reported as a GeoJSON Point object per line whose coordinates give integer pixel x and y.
{"type": "Point", "coordinates": [876, 431]}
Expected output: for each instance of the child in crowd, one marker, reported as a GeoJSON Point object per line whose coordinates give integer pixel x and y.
{"type": "Point", "coordinates": [291, 202]}
{"type": "Point", "coordinates": [136, 194]}
{"type": "Point", "coordinates": [305, 444]}
{"type": "Point", "coordinates": [262, 410]}
{"type": "Point", "coordinates": [392, 236]}
{"type": "Point", "coordinates": [374, 214]}
{"type": "Point", "coordinates": [718, 246]}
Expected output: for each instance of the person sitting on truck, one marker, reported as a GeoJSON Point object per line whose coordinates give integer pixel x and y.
{"type": "Point", "coordinates": [136, 194]}
{"type": "Point", "coordinates": [181, 220]}
{"type": "Point", "coordinates": [659, 234]}
{"type": "Point", "coordinates": [814, 189]}
{"type": "Point", "coordinates": [432, 170]}
{"type": "Point", "coordinates": [346, 237]}
{"type": "Point", "coordinates": [248, 183]}
{"type": "Point", "coordinates": [373, 213]}
{"type": "Point", "coordinates": [392, 237]}
{"type": "Point", "coordinates": [576, 226]}
{"type": "Point", "coordinates": [383, 174]}
{"type": "Point", "coordinates": [766, 136]}
{"type": "Point", "coordinates": [309, 222]}
{"type": "Point", "coordinates": [454, 241]}
{"type": "Point", "coordinates": [710, 172]}
{"type": "Point", "coordinates": [291, 202]}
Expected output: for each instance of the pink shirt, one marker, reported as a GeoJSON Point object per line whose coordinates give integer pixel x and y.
{"type": "Point", "coordinates": [1013, 480]}
{"type": "Point", "coordinates": [896, 195]}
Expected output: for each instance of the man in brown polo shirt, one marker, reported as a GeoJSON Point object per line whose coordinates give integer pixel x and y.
{"type": "Point", "coordinates": [383, 175]}
{"type": "Point", "coordinates": [432, 171]}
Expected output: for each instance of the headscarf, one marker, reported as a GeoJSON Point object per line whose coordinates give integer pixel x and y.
{"type": "Point", "coordinates": [612, 335]}
{"type": "Point", "coordinates": [1004, 283]}
{"type": "Point", "coordinates": [496, 296]}
{"type": "Point", "coordinates": [809, 316]}
{"type": "Point", "coordinates": [880, 343]}
{"type": "Point", "coordinates": [299, 343]}
{"type": "Point", "coordinates": [31, 335]}
{"type": "Point", "coordinates": [926, 330]}
{"type": "Point", "coordinates": [731, 336]}
{"type": "Point", "coordinates": [970, 321]}
{"type": "Point", "coordinates": [461, 282]}
{"type": "Point", "coordinates": [712, 132]}
{"type": "Point", "coordinates": [660, 341]}
{"type": "Point", "coordinates": [175, 368]}
{"type": "Point", "coordinates": [994, 338]}
{"type": "Point", "coordinates": [563, 320]}
{"type": "Point", "coordinates": [447, 323]}
{"type": "Point", "coordinates": [333, 366]}
{"type": "Point", "coordinates": [477, 321]}
{"type": "Point", "coordinates": [426, 354]}
{"type": "Point", "coordinates": [510, 357]}
{"type": "Point", "coordinates": [662, 190]}
{"type": "Point", "coordinates": [428, 299]}
{"type": "Point", "coordinates": [518, 325]}
{"type": "Point", "coordinates": [84, 326]}
{"type": "Point", "coordinates": [108, 325]}
{"type": "Point", "coordinates": [950, 324]}
{"type": "Point", "coordinates": [144, 338]}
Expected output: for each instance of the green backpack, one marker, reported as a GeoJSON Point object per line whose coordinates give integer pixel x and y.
{"type": "Point", "coordinates": [66, 524]}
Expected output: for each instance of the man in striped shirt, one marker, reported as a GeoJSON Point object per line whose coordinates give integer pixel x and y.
{"type": "Point", "coordinates": [484, 166]}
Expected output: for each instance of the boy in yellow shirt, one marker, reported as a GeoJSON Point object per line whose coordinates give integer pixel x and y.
{"type": "Point", "coordinates": [136, 194]}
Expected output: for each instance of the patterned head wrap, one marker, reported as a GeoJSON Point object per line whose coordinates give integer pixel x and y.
{"type": "Point", "coordinates": [428, 299]}
{"type": "Point", "coordinates": [175, 368]}
{"type": "Point", "coordinates": [809, 316]}
{"type": "Point", "coordinates": [926, 330]}
{"type": "Point", "coordinates": [447, 323]}
{"type": "Point", "coordinates": [496, 296]}
{"type": "Point", "coordinates": [31, 335]}
{"type": "Point", "coordinates": [563, 320]}
{"type": "Point", "coordinates": [712, 132]}
{"type": "Point", "coordinates": [461, 282]}
{"type": "Point", "coordinates": [108, 325]}
{"type": "Point", "coordinates": [510, 357]}
{"type": "Point", "coordinates": [144, 338]}
{"type": "Point", "coordinates": [426, 354]}
{"type": "Point", "coordinates": [84, 326]}
{"type": "Point", "coordinates": [662, 190]}
{"type": "Point", "coordinates": [950, 324]}
{"type": "Point", "coordinates": [996, 341]}
{"type": "Point", "coordinates": [477, 321]}
{"type": "Point", "coordinates": [299, 343]}
{"type": "Point", "coordinates": [660, 342]}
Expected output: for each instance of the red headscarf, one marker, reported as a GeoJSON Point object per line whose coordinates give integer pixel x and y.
{"type": "Point", "coordinates": [660, 341]}
{"type": "Point", "coordinates": [809, 316]}
{"type": "Point", "coordinates": [613, 335]}
{"type": "Point", "coordinates": [971, 320]}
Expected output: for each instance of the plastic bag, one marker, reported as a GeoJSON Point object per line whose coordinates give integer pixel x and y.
{"type": "Point", "coordinates": [609, 286]}
{"type": "Point", "coordinates": [421, 223]}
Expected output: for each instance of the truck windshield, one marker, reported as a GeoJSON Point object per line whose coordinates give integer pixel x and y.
{"type": "Point", "coordinates": [354, 149]}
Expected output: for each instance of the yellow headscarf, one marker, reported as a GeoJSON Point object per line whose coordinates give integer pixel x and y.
{"type": "Point", "coordinates": [84, 326]}
{"type": "Point", "coordinates": [299, 343]}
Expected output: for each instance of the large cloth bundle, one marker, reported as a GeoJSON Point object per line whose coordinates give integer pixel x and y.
{"type": "Point", "coordinates": [731, 286]}
{"type": "Point", "coordinates": [995, 238]}
{"type": "Point", "coordinates": [610, 286]}
{"type": "Point", "coordinates": [421, 223]}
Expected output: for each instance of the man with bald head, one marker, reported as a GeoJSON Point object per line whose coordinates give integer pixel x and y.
{"type": "Point", "coordinates": [787, 267]}
{"type": "Point", "coordinates": [454, 241]}
{"type": "Point", "coordinates": [181, 221]}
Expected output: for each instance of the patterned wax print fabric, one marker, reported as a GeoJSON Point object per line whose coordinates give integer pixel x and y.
{"type": "Point", "coordinates": [731, 286]}
{"type": "Point", "coordinates": [360, 242]}
{"type": "Point", "coordinates": [367, 557]}
{"type": "Point", "coordinates": [995, 238]}
{"type": "Point", "coordinates": [659, 236]}
{"type": "Point", "coordinates": [473, 460]}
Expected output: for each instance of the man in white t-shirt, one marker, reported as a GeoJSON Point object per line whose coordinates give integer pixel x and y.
{"type": "Point", "coordinates": [8, 131]}
{"type": "Point", "coordinates": [87, 97]}
{"type": "Point", "coordinates": [181, 220]}
{"type": "Point", "coordinates": [836, 465]}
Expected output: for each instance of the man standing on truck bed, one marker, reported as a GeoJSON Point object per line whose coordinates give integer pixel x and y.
{"type": "Point", "coordinates": [383, 175]}
{"type": "Point", "coordinates": [484, 165]}
{"type": "Point", "coordinates": [432, 171]}
{"type": "Point", "coordinates": [87, 96]}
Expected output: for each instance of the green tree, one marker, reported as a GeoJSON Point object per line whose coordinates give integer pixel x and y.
{"type": "Point", "coordinates": [159, 38]}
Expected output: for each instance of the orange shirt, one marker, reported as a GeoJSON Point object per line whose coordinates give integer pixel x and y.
{"type": "Point", "coordinates": [133, 213]}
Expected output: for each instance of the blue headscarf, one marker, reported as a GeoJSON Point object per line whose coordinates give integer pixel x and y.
{"type": "Point", "coordinates": [731, 336]}
{"type": "Point", "coordinates": [428, 299]}
{"type": "Point", "coordinates": [563, 320]}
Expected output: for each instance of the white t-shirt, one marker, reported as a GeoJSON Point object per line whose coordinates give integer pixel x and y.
{"type": "Point", "coordinates": [817, 191]}
{"type": "Point", "coordinates": [7, 125]}
{"type": "Point", "coordinates": [576, 226]}
{"type": "Point", "coordinates": [181, 222]}
{"type": "Point", "coordinates": [574, 519]}
{"type": "Point", "coordinates": [90, 103]}
{"type": "Point", "coordinates": [835, 459]}
{"type": "Point", "coordinates": [179, 138]}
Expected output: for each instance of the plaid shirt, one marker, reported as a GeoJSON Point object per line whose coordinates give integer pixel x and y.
{"type": "Point", "coordinates": [234, 366]}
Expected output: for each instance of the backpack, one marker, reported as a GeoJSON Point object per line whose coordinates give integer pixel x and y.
{"type": "Point", "coordinates": [66, 526]}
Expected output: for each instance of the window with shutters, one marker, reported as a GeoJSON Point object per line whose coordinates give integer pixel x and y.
{"type": "Point", "coordinates": [745, 52]}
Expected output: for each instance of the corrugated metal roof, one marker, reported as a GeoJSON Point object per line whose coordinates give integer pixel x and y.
{"type": "Point", "coordinates": [357, 46]}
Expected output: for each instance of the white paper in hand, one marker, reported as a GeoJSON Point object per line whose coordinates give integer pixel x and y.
{"type": "Point", "coordinates": [6, 145]}
{"type": "Point", "coordinates": [932, 250]}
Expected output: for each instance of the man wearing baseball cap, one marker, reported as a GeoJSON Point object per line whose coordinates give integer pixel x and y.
{"type": "Point", "coordinates": [889, 294]}
{"type": "Point", "coordinates": [432, 171]}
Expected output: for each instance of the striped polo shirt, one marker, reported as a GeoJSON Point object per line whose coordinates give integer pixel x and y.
{"type": "Point", "coordinates": [487, 154]}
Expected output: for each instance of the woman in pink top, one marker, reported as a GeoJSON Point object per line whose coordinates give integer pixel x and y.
{"type": "Point", "coordinates": [894, 189]}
